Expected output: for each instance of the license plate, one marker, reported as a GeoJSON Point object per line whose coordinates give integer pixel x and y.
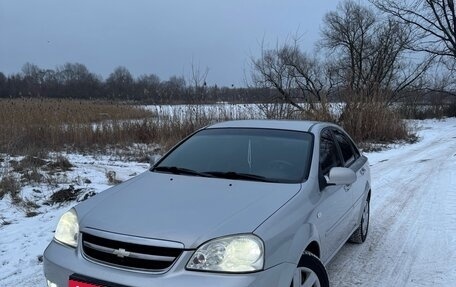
{"type": "Point", "coordinates": [76, 283]}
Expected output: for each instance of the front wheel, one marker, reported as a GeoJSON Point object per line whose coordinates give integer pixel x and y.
{"type": "Point", "coordinates": [360, 234]}
{"type": "Point", "coordinates": [310, 272]}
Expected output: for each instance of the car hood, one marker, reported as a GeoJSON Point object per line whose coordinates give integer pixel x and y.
{"type": "Point", "coordinates": [185, 209]}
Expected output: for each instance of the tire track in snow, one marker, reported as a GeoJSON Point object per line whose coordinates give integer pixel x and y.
{"type": "Point", "coordinates": [413, 228]}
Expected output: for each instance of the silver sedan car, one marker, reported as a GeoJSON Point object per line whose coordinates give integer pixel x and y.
{"type": "Point", "coordinates": [236, 204]}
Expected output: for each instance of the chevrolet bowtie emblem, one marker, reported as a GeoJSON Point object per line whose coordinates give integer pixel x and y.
{"type": "Point", "coordinates": [121, 253]}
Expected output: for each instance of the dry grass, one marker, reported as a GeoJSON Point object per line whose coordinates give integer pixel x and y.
{"type": "Point", "coordinates": [172, 126]}
{"type": "Point", "coordinates": [60, 163]}
{"type": "Point", "coordinates": [37, 126]}
{"type": "Point", "coordinates": [368, 122]}
{"type": "Point", "coordinates": [420, 112]}
{"type": "Point", "coordinates": [59, 111]}
{"type": "Point", "coordinates": [10, 185]}
{"type": "Point", "coordinates": [374, 122]}
{"type": "Point", "coordinates": [30, 126]}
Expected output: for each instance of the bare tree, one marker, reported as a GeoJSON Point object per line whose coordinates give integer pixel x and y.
{"type": "Point", "coordinates": [433, 20]}
{"type": "Point", "coordinates": [198, 84]}
{"type": "Point", "coordinates": [173, 90]}
{"type": "Point", "coordinates": [371, 56]}
{"type": "Point", "coordinates": [434, 25]}
{"type": "Point", "coordinates": [296, 76]}
{"type": "Point", "coordinates": [147, 87]}
{"type": "Point", "coordinates": [3, 89]}
{"type": "Point", "coordinates": [349, 31]}
{"type": "Point", "coordinates": [33, 78]}
{"type": "Point", "coordinates": [74, 80]}
{"type": "Point", "coordinates": [120, 83]}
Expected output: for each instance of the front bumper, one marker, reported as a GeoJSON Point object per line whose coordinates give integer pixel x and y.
{"type": "Point", "coordinates": [60, 262]}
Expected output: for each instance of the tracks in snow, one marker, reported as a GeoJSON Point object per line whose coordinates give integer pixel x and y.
{"type": "Point", "coordinates": [412, 235]}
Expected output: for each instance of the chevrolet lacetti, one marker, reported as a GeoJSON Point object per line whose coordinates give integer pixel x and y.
{"type": "Point", "coordinates": [236, 204]}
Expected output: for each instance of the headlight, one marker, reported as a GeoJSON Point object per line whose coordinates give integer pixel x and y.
{"type": "Point", "coordinates": [67, 229]}
{"type": "Point", "coordinates": [239, 253]}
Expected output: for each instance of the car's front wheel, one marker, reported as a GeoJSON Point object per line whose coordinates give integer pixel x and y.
{"type": "Point", "coordinates": [360, 234]}
{"type": "Point", "coordinates": [310, 272]}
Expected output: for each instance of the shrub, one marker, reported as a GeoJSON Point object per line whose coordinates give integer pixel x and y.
{"type": "Point", "coordinates": [374, 122]}
{"type": "Point", "coordinates": [450, 111]}
{"type": "Point", "coordinates": [61, 163]}
{"type": "Point", "coordinates": [27, 163]}
{"type": "Point", "coordinates": [319, 113]}
{"type": "Point", "coordinates": [32, 176]}
{"type": "Point", "coordinates": [422, 111]}
{"type": "Point", "coordinates": [10, 185]}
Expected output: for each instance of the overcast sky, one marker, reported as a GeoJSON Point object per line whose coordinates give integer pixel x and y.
{"type": "Point", "coordinates": [162, 37]}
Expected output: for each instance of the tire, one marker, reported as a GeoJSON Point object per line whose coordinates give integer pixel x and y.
{"type": "Point", "coordinates": [360, 234]}
{"type": "Point", "coordinates": [310, 272]}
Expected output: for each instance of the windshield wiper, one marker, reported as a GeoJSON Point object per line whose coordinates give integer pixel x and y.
{"type": "Point", "coordinates": [181, 170]}
{"type": "Point", "coordinates": [239, 175]}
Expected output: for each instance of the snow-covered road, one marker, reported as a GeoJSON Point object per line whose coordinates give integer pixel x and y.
{"type": "Point", "coordinates": [412, 236]}
{"type": "Point", "coordinates": [412, 239]}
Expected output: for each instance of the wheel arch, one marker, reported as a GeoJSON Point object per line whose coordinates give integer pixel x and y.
{"type": "Point", "coordinates": [367, 191]}
{"type": "Point", "coordinates": [314, 248]}
{"type": "Point", "coordinates": [306, 239]}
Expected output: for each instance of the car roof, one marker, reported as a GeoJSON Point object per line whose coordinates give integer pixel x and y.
{"type": "Point", "coordinates": [295, 125]}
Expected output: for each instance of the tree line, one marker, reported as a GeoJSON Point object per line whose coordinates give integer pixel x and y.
{"type": "Point", "coordinates": [384, 51]}
{"type": "Point", "coordinates": [74, 80]}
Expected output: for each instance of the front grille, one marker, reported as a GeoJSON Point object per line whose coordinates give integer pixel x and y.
{"type": "Point", "coordinates": [129, 255]}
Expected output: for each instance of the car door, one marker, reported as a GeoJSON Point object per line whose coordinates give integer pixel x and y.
{"type": "Point", "coordinates": [335, 209]}
{"type": "Point", "coordinates": [352, 159]}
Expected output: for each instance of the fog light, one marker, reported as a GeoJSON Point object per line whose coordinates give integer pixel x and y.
{"type": "Point", "coordinates": [51, 284]}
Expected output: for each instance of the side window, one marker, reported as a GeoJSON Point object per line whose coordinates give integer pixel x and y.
{"type": "Point", "coordinates": [329, 156]}
{"type": "Point", "coordinates": [346, 147]}
{"type": "Point", "coordinates": [355, 149]}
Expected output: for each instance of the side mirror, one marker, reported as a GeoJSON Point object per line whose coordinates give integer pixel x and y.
{"type": "Point", "coordinates": [341, 176]}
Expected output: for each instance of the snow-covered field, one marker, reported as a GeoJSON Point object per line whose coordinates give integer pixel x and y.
{"type": "Point", "coordinates": [23, 239]}
{"type": "Point", "coordinates": [412, 239]}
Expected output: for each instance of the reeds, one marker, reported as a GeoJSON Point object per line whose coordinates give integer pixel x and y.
{"type": "Point", "coordinates": [36, 126]}
{"type": "Point", "coordinates": [43, 124]}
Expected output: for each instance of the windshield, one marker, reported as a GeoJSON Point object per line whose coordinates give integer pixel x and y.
{"type": "Point", "coordinates": [246, 154]}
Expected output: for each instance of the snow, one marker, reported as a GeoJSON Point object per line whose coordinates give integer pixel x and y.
{"type": "Point", "coordinates": [411, 241]}
{"type": "Point", "coordinates": [24, 239]}
{"type": "Point", "coordinates": [412, 235]}
{"type": "Point", "coordinates": [225, 110]}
